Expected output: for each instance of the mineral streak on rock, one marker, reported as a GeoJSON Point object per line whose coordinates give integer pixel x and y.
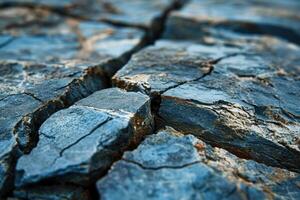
{"type": "Point", "coordinates": [200, 19]}
{"type": "Point", "coordinates": [239, 103]}
{"type": "Point", "coordinates": [169, 165]}
{"type": "Point", "coordinates": [81, 142]}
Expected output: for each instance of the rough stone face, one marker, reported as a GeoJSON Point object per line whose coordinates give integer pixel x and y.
{"type": "Point", "coordinates": [167, 64]}
{"type": "Point", "coordinates": [81, 142]}
{"type": "Point", "coordinates": [202, 19]}
{"type": "Point", "coordinates": [247, 102]}
{"type": "Point", "coordinates": [171, 166]}
{"type": "Point", "coordinates": [245, 105]}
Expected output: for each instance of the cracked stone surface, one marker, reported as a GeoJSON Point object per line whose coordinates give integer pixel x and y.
{"type": "Point", "coordinates": [169, 165]}
{"type": "Point", "coordinates": [245, 101]}
{"type": "Point", "coordinates": [51, 58]}
{"type": "Point", "coordinates": [90, 137]}
{"type": "Point", "coordinates": [225, 72]}
{"type": "Point", "coordinates": [167, 64]}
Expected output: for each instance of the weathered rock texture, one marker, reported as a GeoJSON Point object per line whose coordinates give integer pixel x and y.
{"type": "Point", "coordinates": [226, 72]}
{"type": "Point", "coordinates": [244, 99]}
{"type": "Point", "coordinates": [54, 53]}
{"type": "Point", "coordinates": [78, 144]}
{"type": "Point", "coordinates": [171, 166]}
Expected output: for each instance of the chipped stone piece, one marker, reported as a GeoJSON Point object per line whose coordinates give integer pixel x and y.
{"type": "Point", "coordinates": [82, 141]}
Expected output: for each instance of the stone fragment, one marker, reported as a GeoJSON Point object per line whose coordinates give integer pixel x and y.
{"type": "Point", "coordinates": [171, 166]}
{"type": "Point", "coordinates": [79, 144]}
{"type": "Point", "coordinates": [221, 19]}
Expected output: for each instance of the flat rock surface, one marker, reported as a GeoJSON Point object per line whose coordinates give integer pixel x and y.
{"type": "Point", "coordinates": [171, 166]}
{"type": "Point", "coordinates": [82, 141]}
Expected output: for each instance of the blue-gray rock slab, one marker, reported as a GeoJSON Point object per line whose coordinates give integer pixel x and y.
{"type": "Point", "coordinates": [167, 64]}
{"type": "Point", "coordinates": [202, 18]}
{"type": "Point", "coordinates": [168, 165]}
{"type": "Point", "coordinates": [78, 144]}
{"type": "Point", "coordinates": [140, 13]}
{"type": "Point", "coordinates": [251, 117]}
